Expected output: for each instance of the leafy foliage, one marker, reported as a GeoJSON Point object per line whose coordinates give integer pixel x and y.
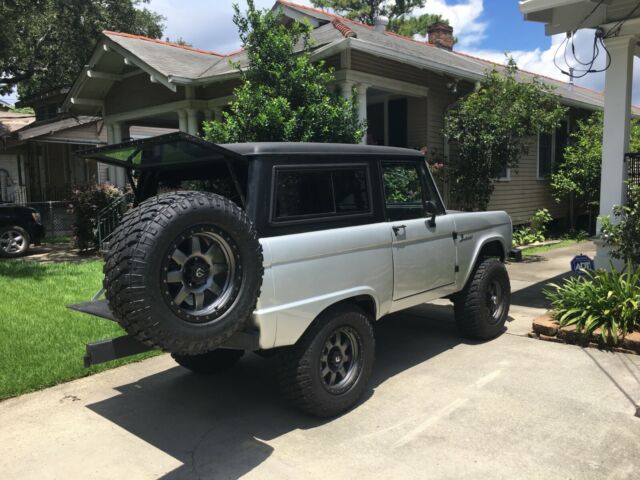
{"type": "Point", "coordinates": [45, 43]}
{"type": "Point", "coordinates": [366, 11]}
{"type": "Point", "coordinates": [85, 203]}
{"type": "Point", "coordinates": [536, 230]}
{"type": "Point", "coordinates": [410, 26]}
{"type": "Point", "coordinates": [605, 300]}
{"type": "Point", "coordinates": [399, 13]}
{"type": "Point", "coordinates": [624, 236]}
{"type": "Point", "coordinates": [490, 128]}
{"type": "Point", "coordinates": [578, 175]}
{"type": "Point", "coordinates": [283, 96]}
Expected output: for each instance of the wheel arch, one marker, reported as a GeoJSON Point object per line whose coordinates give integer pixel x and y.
{"type": "Point", "coordinates": [490, 247]}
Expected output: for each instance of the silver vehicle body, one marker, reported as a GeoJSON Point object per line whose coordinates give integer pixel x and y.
{"type": "Point", "coordinates": [308, 272]}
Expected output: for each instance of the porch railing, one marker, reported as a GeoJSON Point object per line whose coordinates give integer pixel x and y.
{"type": "Point", "coordinates": [109, 218]}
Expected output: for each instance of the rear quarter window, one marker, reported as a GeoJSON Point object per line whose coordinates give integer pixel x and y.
{"type": "Point", "coordinates": [302, 193]}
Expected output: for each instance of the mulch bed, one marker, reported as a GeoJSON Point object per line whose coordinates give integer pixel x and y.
{"type": "Point", "coordinates": [546, 328]}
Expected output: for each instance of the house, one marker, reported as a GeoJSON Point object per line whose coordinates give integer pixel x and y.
{"type": "Point", "coordinates": [38, 151]}
{"type": "Point", "coordinates": [403, 86]}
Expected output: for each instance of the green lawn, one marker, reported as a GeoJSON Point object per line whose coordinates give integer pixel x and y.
{"type": "Point", "coordinates": [546, 248]}
{"type": "Point", "coordinates": [42, 343]}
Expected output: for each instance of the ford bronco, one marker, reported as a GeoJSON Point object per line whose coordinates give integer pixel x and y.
{"type": "Point", "coordinates": [292, 249]}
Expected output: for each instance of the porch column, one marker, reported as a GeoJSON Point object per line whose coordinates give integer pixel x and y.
{"type": "Point", "coordinates": [111, 170]}
{"type": "Point", "coordinates": [208, 115]}
{"type": "Point", "coordinates": [120, 134]}
{"type": "Point", "coordinates": [361, 90]}
{"type": "Point", "coordinates": [615, 142]}
{"type": "Point", "coordinates": [346, 88]}
{"type": "Point", "coordinates": [182, 121]}
{"type": "Point", "coordinates": [192, 121]}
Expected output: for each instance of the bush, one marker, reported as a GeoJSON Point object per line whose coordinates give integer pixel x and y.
{"type": "Point", "coordinates": [535, 231]}
{"type": "Point", "coordinates": [86, 201]}
{"type": "Point", "coordinates": [624, 237]}
{"type": "Point", "coordinates": [608, 300]}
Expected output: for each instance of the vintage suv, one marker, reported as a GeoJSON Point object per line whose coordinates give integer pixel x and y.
{"type": "Point", "coordinates": [293, 249]}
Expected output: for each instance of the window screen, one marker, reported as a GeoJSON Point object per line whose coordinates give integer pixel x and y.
{"type": "Point", "coordinates": [306, 192]}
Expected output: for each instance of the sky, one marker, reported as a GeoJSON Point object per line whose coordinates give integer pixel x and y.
{"type": "Point", "coordinates": [484, 28]}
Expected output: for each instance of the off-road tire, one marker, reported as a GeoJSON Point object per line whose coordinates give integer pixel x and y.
{"type": "Point", "coordinates": [220, 360]}
{"type": "Point", "coordinates": [134, 284]}
{"type": "Point", "coordinates": [299, 366]}
{"type": "Point", "coordinates": [25, 243]}
{"type": "Point", "coordinates": [472, 312]}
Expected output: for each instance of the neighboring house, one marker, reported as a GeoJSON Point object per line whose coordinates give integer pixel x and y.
{"type": "Point", "coordinates": [40, 151]}
{"type": "Point", "coordinates": [404, 88]}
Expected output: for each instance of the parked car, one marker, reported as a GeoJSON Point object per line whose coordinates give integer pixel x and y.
{"type": "Point", "coordinates": [19, 228]}
{"type": "Point", "coordinates": [301, 248]}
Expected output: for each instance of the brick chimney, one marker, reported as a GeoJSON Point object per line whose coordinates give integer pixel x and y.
{"type": "Point", "coordinates": [441, 35]}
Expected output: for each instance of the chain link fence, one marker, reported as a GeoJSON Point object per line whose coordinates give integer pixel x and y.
{"type": "Point", "coordinates": [56, 218]}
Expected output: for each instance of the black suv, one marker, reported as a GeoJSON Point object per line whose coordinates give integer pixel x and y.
{"type": "Point", "coordinates": [19, 228]}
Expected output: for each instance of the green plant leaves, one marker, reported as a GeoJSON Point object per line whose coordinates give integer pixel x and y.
{"type": "Point", "coordinates": [605, 300]}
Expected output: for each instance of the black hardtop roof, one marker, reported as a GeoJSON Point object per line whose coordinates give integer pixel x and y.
{"type": "Point", "coordinates": [308, 148]}
{"type": "Point", "coordinates": [179, 148]}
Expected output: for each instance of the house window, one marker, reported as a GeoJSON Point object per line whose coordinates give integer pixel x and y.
{"type": "Point", "coordinates": [505, 175]}
{"type": "Point", "coordinates": [310, 192]}
{"type": "Point", "coordinates": [551, 149]}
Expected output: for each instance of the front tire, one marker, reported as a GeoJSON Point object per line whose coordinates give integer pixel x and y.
{"type": "Point", "coordinates": [327, 371]}
{"type": "Point", "coordinates": [482, 308]}
{"type": "Point", "coordinates": [219, 360]}
{"type": "Point", "coordinates": [14, 242]}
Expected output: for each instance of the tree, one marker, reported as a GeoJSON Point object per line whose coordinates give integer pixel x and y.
{"type": "Point", "coordinates": [489, 129]}
{"type": "Point", "coordinates": [398, 12]}
{"type": "Point", "coordinates": [45, 43]}
{"type": "Point", "coordinates": [410, 26]}
{"type": "Point", "coordinates": [577, 178]}
{"type": "Point", "coordinates": [283, 96]}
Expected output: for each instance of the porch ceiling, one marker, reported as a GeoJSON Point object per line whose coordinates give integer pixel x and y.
{"type": "Point", "coordinates": [560, 16]}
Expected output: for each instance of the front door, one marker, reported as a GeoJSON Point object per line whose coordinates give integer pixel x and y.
{"type": "Point", "coordinates": [424, 252]}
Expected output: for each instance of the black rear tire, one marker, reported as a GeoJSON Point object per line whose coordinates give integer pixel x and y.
{"type": "Point", "coordinates": [14, 241]}
{"type": "Point", "coordinates": [184, 271]}
{"type": "Point", "coordinates": [482, 308]}
{"type": "Point", "coordinates": [340, 340]}
{"type": "Point", "coordinates": [219, 360]}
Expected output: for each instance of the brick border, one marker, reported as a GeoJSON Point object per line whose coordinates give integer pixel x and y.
{"type": "Point", "coordinates": [546, 328]}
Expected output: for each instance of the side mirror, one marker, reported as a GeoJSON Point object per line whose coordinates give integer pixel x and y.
{"type": "Point", "coordinates": [432, 209]}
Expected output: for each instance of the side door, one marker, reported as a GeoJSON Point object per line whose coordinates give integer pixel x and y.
{"type": "Point", "coordinates": [424, 255]}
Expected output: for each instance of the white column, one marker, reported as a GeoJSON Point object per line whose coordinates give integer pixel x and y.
{"type": "Point", "coordinates": [111, 170]}
{"type": "Point", "coordinates": [120, 133]}
{"type": "Point", "coordinates": [346, 88]}
{"type": "Point", "coordinates": [361, 90]}
{"type": "Point", "coordinates": [192, 121]}
{"type": "Point", "coordinates": [182, 121]}
{"type": "Point", "coordinates": [615, 143]}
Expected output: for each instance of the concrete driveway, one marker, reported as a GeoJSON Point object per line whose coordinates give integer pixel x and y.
{"type": "Point", "coordinates": [439, 407]}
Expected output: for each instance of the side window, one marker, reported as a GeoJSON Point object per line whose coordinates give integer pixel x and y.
{"type": "Point", "coordinates": [545, 154]}
{"type": "Point", "coordinates": [403, 191]}
{"type": "Point", "coordinates": [302, 193]}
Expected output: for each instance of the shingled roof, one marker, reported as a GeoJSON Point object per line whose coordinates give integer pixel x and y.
{"type": "Point", "coordinates": [184, 65]}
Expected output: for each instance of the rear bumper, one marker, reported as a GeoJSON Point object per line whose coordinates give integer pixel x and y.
{"type": "Point", "coordinates": [124, 346]}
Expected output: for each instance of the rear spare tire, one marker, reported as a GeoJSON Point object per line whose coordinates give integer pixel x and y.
{"type": "Point", "coordinates": [184, 271]}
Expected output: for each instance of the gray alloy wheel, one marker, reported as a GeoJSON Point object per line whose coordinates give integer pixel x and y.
{"type": "Point", "coordinates": [14, 241]}
{"type": "Point", "coordinates": [340, 362]}
{"type": "Point", "coordinates": [495, 301]}
{"type": "Point", "coordinates": [201, 274]}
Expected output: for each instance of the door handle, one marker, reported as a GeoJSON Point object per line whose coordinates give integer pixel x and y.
{"type": "Point", "coordinates": [397, 228]}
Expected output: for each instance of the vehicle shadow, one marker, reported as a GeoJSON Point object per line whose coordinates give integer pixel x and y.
{"type": "Point", "coordinates": [533, 295]}
{"type": "Point", "coordinates": [218, 426]}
